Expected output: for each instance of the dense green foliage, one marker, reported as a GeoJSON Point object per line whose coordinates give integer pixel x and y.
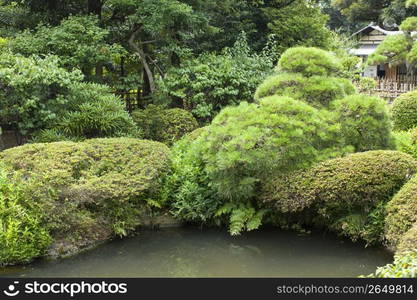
{"type": "Point", "coordinates": [308, 74]}
{"type": "Point", "coordinates": [164, 125]}
{"type": "Point", "coordinates": [318, 91]}
{"type": "Point", "coordinates": [210, 82]}
{"type": "Point", "coordinates": [401, 212]}
{"type": "Point", "coordinates": [78, 41]}
{"type": "Point", "coordinates": [21, 235]}
{"type": "Point", "coordinates": [393, 49]}
{"type": "Point", "coordinates": [404, 111]}
{"type": "Point", "coordinates": [408, 240]}
{"type": "Point", "coordinates": [398, 49]}
{"type": "Point", "coordinates": [298, 24]}
{"type": "Point", "coordinates": [406, 141]}
{"type": "Point", "coordinates": [248, 143]}
{"type": "Point", "coordinates": [404, 266]}
{"type": "Point", "coordinates": [39, 95]}
{"type": "Point", "coordinates": [201, 61]}
{"type": "Point", "coordinates": [93, 112]}
{"type": "Point", "coordinates": [33, 91]}
{"type": "Point", "coordinates": [309, 62]}
{"type": "Point", "coordinates": [188, 187]}
{"type": "Point", "coordinates": [90, 191]}
{"type": "Point", "coordinates": [388, 12]}
{"type": "Point", "coordinates": [365, 122]}
{"type": "Point", "coordinates": [344, 194]}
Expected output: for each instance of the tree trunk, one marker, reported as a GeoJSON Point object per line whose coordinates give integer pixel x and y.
{"type": "Point", "coordinates": [150, 82]}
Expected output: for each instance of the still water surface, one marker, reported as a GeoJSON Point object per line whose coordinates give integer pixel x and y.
{"type": "Point", "coordinates": [190, 252]}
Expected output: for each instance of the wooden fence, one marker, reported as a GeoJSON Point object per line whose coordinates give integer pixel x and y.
{"type": "Point", "coordinates": [132, 100]}
{"type": "Point", "coordinates": [390, 90]}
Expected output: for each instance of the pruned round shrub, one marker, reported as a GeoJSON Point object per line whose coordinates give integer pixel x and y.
{"type": "Point", "coordinates": [365, 122]}
{"type": "Point", "coordinates": [408, 241]}
{"type": "Point", "coordinates": [247, 143]}
{"type": "Point", "coordinates": [404, 111]}
{"type": "Point", "coordinates": [402, 212]}
{"type": "Point", "coordinates": [309, 61]}
{"type": "Point", "coordinates": [317, 91]}
{"type": "Point", "coordinates": [22, 237]}
{"type": "Point", "coordinates": [346, 194]}
{"type": "Point", "coordinates": [164, 125]}
{"type": "Point", "coordinates": [227, 161]}
{"type": "Point", "coordinates": [89, 191]}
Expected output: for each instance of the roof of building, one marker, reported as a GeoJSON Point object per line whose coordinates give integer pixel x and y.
{"type": "Point", "coordinates": [366, 49]}
{"type": "Point", "coordinates": [372, 27]}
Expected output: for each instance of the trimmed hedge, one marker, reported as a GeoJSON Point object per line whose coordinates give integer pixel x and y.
{"type": "Point", "coordinates": [315, 90]}
{"type": "Point", "coordinates": [90, 191]}
{"type": "Point", "coordinates": [247, 143]}
{"type": "Point", "coordinates": [408, 241]}
{"type": "Point", "coordinates": [404, 111]}
{"type": "Point", "coordinates": [309, 61]}
{"type": "Point", "coordinates": [365, 122]}
{"type": "Point", "coordinates": [402, 212]}
{"type": "Point", "coordinates": [164, 125]}
{"type": "Point", "coordinates": [344, 194]}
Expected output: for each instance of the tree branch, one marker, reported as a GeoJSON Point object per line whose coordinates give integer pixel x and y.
{"type": "Point", "coordinates": [142, 55]}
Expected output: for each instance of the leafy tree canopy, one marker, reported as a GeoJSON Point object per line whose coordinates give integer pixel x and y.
{"type": "Point", "coordinates": [388, 12]}
{"type": "Point", "coordinates": [398, 49]}
{"type": "Point", "coordinates": [78, 41]}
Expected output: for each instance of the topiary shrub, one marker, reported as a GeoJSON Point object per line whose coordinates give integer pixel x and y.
{"type": "Point", "coordinates": [401, 212]}
{"type": "Point", "coordinates": [309, 61]}
{"type": "Point", "coordinates": [317, 91]}
{"type": "Point", "coordinates": [90, 191]}
{"type": "Point", "coordinates": [346, 194]}
{"type": "Point", "coordinates": [404, 111]}
{"type": "Point", "coordinates": [365, 122]}
{"type": "Point", "coordinates": [246, 144]}
{"type": "Point", "coordinates": [22, 237]}
{"type": "Point", "coordinates": [164, 125]}
{"type": "Point", "coordinates": [249, 142]}
{"type": "Point", "coordinates": [408, 241]}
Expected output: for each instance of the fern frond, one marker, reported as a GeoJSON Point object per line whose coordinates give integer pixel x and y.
{"type": "Point", "coordinates": [225, 209]}
{"type": "Point", "coordinates": [256, 220]}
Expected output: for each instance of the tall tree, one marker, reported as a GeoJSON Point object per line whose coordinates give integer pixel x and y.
{"type": "Point", "coordinates": [384, 12]}
{"type": "Point", "coordinates": [297, 23]}
{"type": "Point", "coordinates": [399, 49]}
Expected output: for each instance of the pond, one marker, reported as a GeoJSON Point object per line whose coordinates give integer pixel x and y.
{"type": "Point", "coordinates": [191, 252]}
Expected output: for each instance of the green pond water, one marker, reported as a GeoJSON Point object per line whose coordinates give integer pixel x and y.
{"type": "Point", "coordinates": [190, 252]}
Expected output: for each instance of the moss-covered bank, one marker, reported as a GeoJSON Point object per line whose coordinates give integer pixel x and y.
{"type": "Point", "coordinates": [76, 195]}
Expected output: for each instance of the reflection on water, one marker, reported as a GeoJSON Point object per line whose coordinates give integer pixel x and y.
{"type": "Point", "coordinates": [189, 252]}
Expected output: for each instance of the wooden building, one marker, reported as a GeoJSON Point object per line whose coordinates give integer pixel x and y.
{"type": "Point", "coordinates": [368, 40]}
